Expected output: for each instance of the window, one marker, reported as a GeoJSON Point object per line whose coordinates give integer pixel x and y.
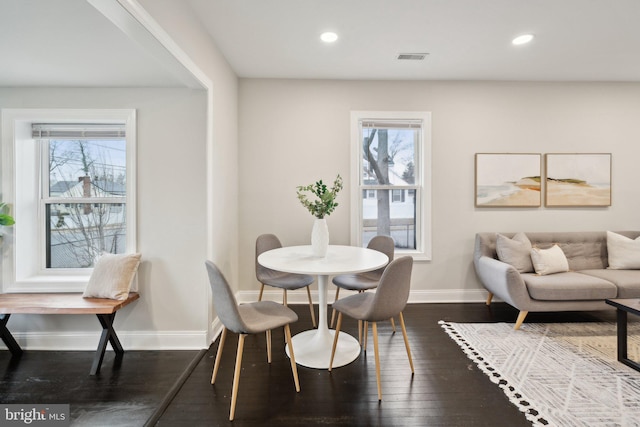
{"type": "Point", "coordinates": [390, 157]}
{"type": "Point", "coordinates": [398, 195]}
{"type": "Point", "coordinates": [83, 176]}
{"type": "Point", "coordinates": [70, 177]}
{"type": "Point", "coordinates": [368, 194]}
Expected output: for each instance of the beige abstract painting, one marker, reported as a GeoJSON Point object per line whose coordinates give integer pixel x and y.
{"type": "Point", "coordinates": [578, 179]}
{"type": "Point", "coordinates": [507, 180]}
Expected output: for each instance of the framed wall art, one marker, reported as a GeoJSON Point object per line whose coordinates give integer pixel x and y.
{"type": "Point", "coordinates": [508, 180]}
{"type": "Point", "coordinates": [578, 179]}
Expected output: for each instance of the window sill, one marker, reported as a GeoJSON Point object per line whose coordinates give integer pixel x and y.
{"type": "Point", "coordinates": [417, 256]}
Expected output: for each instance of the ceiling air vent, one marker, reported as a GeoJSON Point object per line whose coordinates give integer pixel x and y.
{"type": "Point", "coordinates": [412, 56]}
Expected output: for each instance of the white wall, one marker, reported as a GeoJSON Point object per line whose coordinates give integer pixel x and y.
{"type": "Point", "coordinates": [180, 22]}
{"type": "Point", "coordinates": [171, 176]}
{"type": "Point", "coordinates": [293, 132]}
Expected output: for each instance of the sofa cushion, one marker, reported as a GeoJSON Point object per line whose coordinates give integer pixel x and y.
{"type": "Point", "coordinates": [584, 250]}
{"type": "Point", "coordinates": [627, 281]}
{"type": "Point", "coordinates": [515, 251]}
{"type": "Point", "coordinates": [624, 253]}
{"type": "Point", "coordinates": [568, 286]}
{"type": "Point", "coordinates": [549, 261]}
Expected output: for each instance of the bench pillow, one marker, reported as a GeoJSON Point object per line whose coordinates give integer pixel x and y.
{"type": "Point", "coordinates": [549, 261]}
{"type": "Point", "coordinates": [624, 253]}
{"type": "Point", "coordinates": [112, 276]}
{"type": "Point", "coordinates": [515, 251]}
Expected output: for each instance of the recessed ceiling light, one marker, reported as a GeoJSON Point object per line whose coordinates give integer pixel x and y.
{"type": "Point", "coordinates": [328, 37]}
{"type": "Point", "coordinates": [523, 39]}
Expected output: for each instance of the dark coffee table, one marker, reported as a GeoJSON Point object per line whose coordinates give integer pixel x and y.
{"type": "Point", "coordinates": [623, 307]}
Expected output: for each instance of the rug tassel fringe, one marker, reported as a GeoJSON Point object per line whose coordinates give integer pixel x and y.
{"type": "Point", "coordinates": [514, 396]}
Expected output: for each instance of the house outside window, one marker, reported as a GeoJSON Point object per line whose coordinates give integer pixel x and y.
{"type": "Point", "coordinates": [390, 160]}
{"type": "Point", "coordinates": [70, 177]}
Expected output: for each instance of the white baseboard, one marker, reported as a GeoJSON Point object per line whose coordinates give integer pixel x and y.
{"type": "Point", "coordinates": [448, 296]}
{"type": "Point", "coordinates": [88, 341]}
{"type": "Point", "coordinates": [416, 296]}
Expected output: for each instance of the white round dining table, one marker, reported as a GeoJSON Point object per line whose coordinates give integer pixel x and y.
{"type": "Point", "coordinates": [313, 347]}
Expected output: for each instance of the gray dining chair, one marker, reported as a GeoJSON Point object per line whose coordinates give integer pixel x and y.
{"type": "Point", "coordinates": [365, 281]}
{"type": "Point", "coordinates": [389, 300]}
{"type": "Point", "coordinates": [280, 279]}
{"type": "Point", "coordinates": [245, 319]}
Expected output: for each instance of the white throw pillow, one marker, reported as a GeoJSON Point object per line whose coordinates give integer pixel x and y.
{"type": "Point", "coordinates": [515, 251]}
{"type": "Point", "coordinates": [112, 276]}
{"type": "Point", "coordinates": [549, 261]}
{"type": "Point", "coordinates": [624, 253]}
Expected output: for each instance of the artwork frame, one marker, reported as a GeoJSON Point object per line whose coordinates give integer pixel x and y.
{"type": "Point", "coordinates": [506, 180]}
{"type": "Point", "coordinates": [578, 179]}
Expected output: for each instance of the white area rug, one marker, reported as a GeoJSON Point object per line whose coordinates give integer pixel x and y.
{"type": "Point", "coordinates": [558, 374]}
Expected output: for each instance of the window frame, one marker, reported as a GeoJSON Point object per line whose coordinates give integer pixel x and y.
{"type": "Point", "coordinates": [422, 185]}
{"type": "Point", "coordinates": [21, 188]}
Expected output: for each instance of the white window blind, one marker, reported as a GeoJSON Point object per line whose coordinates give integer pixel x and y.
{"type": "Point", "coordinates": [391, 124]}
{"type": "Point", "coordinates": [77, 131]}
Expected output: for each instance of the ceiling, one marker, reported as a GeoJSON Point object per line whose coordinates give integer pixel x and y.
{"type": "Point", "coordinates": [579, 40]}
{"type": "Point", "coordinates": [73, 43]}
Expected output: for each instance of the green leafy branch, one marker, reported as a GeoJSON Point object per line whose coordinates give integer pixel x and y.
{"type": "Point", "coordinates": [325, 202]}
{"type": "Point", "coordinates": [5, 218]}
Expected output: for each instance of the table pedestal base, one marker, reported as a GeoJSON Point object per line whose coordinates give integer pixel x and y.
{"type": "Point", "coordinates": [313, 348]}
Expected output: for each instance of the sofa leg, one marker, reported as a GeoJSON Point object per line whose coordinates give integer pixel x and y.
{"type": "Point", "coordinates": [489, 298]}
{"type": "Point", "coordinates": [520, 319]}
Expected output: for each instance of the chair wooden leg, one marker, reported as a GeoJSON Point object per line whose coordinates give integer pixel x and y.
{"type": "Point", "coordinates": [313, 313]}
{"type": "Point", "coordinates": [377, 357]}
{"type": "Point", "coordinates": [284, 302]}
{"type": "Point", "coordinates": [333, 312]}
{"type": "Point", "coordinates": [406, 341]}
{"type": "Point", "coordinates": [365, 332]}
{"type": "Point", "coordinates": [393, 324]}
{"type": "Point", "coordinates": [292, 358]}
{"type": "Point", "coordinates": [335, 341]}
{"type": "Point", "coordinates": [261, 291]}
{"type": "Point", "coordinates": [216, 365]}
{"type": "Point", "coordinates": [360, 328]}
{"type": "Point", "coordinates": [236, 376]}
{"type": "Point", "coordinates": [489, 298]}
{"type": "Point", "coordinates": [268, 336]}
{"type": "Point", "coordinates": [520, 319]}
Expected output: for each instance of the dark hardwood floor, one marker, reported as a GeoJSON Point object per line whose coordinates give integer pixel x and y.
{"type": "Point", "coordinates": [118, 396]}
{"type": "Point", "coordinates": [172, 388]}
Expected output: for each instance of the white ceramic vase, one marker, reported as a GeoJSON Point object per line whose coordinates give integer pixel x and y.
{"type": "Point", "coordinates": [319, 237]}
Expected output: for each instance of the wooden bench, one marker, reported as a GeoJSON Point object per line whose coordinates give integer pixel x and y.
{"type": "Point", "coordinates": [65, 303]}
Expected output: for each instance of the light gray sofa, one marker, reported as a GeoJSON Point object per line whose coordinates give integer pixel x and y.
{"type": "Point", "coordinates": [584, 287]}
